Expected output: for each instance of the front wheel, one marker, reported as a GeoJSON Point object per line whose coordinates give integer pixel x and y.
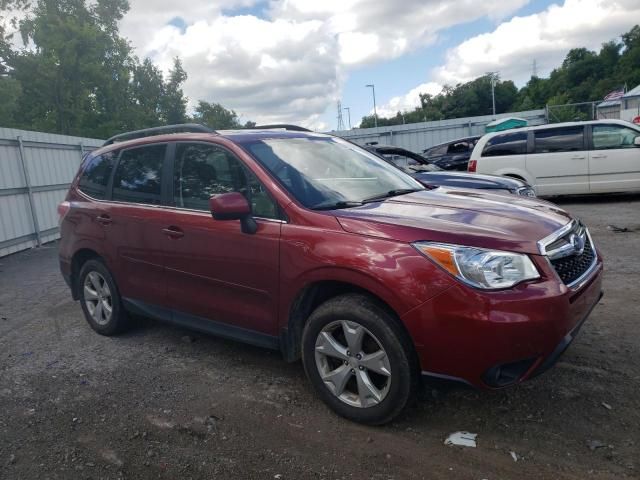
{"type": "Point", "coordinates": [358, 359]}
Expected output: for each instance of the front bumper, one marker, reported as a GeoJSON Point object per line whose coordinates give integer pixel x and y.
{"type": "Point", "coordinates": [496, 339]}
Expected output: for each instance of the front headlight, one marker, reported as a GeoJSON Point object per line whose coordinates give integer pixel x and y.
{"type": "Point", "coordinates": [526, 192]}
{"type": "Point", "coordinates": [480, 268]}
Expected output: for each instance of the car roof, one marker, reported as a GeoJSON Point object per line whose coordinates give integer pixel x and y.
{"type": "Point", "coordinates": [236, 136]}
{"type": "Point", "coordinates": [490, 135]}
{"type": "Point", "coordinates": [472, 137]}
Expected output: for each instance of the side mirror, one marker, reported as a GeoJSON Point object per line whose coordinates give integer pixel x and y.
{"type": "Point", "coordinates": [233, 206]}
{"type": "Point", "coordinates": [636, 141]}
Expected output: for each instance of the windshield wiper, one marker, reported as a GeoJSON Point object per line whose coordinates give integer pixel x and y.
{"type": "Point", "coordinates": [336, 205]}
{"type": "Point", "coordinates": [392, 193]}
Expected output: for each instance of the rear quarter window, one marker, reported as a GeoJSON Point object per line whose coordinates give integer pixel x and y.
{"type": "Point", "coordinates": [96, 174]}
{"type": "Point", "coordinates": [506, 144]}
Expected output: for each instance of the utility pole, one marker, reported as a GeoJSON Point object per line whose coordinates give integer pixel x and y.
{"type": "Point", "coordinates": [340, 122]}
{"type": "Point", "coordinates": [348, 109]}
{"type": "Point", "coordinates": [375, 112]}
{"type": "Point", "coordinates": [493, 76]}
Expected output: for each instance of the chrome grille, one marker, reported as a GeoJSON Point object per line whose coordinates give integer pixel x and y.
{"type": "Point", "coordinates": [571, 268]}
{"type": "Point", "coordinates": [571, 252]}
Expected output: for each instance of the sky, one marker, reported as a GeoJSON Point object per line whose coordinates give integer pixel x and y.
{"type": "Point", "coordinates": [291, 61]}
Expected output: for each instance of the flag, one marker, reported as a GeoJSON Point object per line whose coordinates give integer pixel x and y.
{"type": "Point", "coordinates": [614, 95]}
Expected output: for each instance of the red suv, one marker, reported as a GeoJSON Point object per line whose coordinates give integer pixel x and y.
{"type": "Point", "coordinates": [322, 250]}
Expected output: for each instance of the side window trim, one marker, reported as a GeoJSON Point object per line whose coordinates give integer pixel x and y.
{"type": "Point", "coordinates": [171, 194]}
{"type": "Point", "coordinates": [109, 193]}
{"type": "Point", "coordinates": [166, 186]}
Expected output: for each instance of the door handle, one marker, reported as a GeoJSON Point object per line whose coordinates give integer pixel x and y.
{"type": "Point", "coordinates": [104, 219]}
{"type": "Point", "coordinates": [598, 156]}
{"type": "Point", "coordinates": [577, 157]}
{"type": "Point", "coordinates": [173, 232]}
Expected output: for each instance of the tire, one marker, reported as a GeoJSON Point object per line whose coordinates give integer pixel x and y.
{"type": "Point", "coordinates": [370, 386]}
{"type": "Point", "coordinates": [97, 291]}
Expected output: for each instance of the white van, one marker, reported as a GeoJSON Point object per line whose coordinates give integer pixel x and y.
{"type": "Point", "coordinates": [565, 158]}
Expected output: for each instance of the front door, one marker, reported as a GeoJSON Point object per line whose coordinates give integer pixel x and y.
{"type": "Point", "coordinates": [214, 270]}
{"type": "Point", "coordinates": [614, 161]}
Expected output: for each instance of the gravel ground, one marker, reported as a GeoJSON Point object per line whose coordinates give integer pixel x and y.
{"type": "Point", "coordinates": [160, 402]}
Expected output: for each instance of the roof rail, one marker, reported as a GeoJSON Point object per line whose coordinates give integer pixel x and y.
{"type": "Point", "coordinates": [149, 132]}
{"type": "Point", "coordinates": [281, 126]}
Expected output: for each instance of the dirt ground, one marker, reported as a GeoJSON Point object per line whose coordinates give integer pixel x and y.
{"type": "Point", "coordinates": [160, 402]}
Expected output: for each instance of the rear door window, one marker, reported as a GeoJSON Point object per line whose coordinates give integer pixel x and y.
{"type": "Point", "coordinates": [506, 144]}
{"type": "Point", "coordinates": [555, 140]}
{"type": "Point", "coordinates": [437, 151]}
{"type": "Point", "coordinates": [138, 178]}
{"type": "Point", "coordinates": [95, 176]}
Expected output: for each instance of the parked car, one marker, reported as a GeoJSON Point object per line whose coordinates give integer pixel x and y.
{"type": "Point", "coordinates": [600, 156]}
{"type": "Point", "coordinates": [433, 176]}
{"type": "Point", "coordinates": [452, 155]}
{"type": "Point", "coordinates": [308, 244]}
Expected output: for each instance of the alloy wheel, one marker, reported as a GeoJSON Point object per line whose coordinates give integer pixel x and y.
{"type": "Point", "coordinates": [353, 364]}
{"type": "Point", "coordinates": [97, 298]}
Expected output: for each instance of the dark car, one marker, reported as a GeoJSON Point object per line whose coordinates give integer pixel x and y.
{"type": "Point", "coordinates": [452, 155]}
{"type": "Point", "coordinates": [312, 246]}
{"type": "Point", "coordinates": [433, 176]}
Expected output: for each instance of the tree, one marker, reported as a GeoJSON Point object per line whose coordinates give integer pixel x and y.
{"type": "Point", "coordinates": [10, 90]}
{"type": "Point", "coordinates": [216, 116]}
{"type": "Point", "coordinates": [148, 91]}
{"type": "Point", "coordinates": [174, 103]}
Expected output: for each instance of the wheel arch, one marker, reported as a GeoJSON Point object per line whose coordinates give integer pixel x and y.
{"type": "Point", "coordinates": [315, 293]}
{"type": "Point", "coordinates": [79, 258]}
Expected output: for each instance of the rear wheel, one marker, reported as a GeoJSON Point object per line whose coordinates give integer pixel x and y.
{"type": "Point", "coordinates": [100, 299]}
{"type": "Point", "coordinates": [358, 359]}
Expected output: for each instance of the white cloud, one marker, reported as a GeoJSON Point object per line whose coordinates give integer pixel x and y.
{"type": "Point", "coordinates": [290, 65]}
{"type": "Point", "coordinates": [409, 101]}
{"type": "Point", "coordinates": [511, 48]}
{"type": "Point", "coordinates": [545, 37]}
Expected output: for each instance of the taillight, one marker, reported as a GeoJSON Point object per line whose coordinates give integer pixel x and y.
{"type": "Point", "coordinates": [473, 164]}
{"type": "Point", "coordinates": [63, 209]}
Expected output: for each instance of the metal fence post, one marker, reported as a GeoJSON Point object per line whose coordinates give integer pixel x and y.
{"type": "Point", "coordinates": [27, 181]}
{"type": "Point", "coordinates": [81, 151]}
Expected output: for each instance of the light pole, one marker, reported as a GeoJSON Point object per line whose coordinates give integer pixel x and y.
{"type": "Point", "coordinates": [375, 112]}
{"type": "Point", "coordinates": [493, 76]}
{"type": "Point", "coordinates": [348, 109]}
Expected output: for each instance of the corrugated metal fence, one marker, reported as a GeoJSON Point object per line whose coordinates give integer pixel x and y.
{"type": "Point", "coordinates": [35, 172]}
{"type": "Point", "coordinates": [419, 136]}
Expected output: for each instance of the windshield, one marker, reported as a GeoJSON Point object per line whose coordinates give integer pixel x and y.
{"type": "Point", "coordinates": [326, 171]}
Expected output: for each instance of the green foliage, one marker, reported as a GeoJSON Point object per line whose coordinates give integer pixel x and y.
{"type": "Point", "coordinates": [80, 77]}
{"type": "Point", "coordinates": [216, 116]}
{"type": "Point", "coordinates": [583, 76]}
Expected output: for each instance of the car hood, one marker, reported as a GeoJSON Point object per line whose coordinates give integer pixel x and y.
{"type": "Point", "coordinates": [468, 180]}
{"type": "Point", "coordinates": [461, 216]}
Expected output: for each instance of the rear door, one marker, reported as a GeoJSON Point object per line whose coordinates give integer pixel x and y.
{"type": "Point", "coordinates": [614, 160]}
{"type": "Point", "coordinates": [560, 160]}
{"type": "Point", "coordinates": [134, 221]}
